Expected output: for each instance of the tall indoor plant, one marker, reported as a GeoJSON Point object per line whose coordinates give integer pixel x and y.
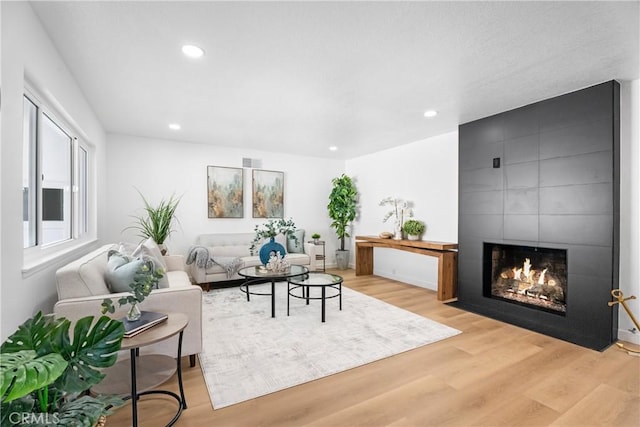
{"type": "Point", "coordinates": [342, 211]}
{"type": "Point", "coordinates": [157, 223]}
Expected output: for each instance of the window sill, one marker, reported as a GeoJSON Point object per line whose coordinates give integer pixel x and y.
{"type": "Point", "coordinates": [41, 263]}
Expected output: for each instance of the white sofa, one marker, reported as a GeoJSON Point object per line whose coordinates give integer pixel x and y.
{"type": "Point", "coordinates": [231, 245]}
{"type": "Point", "coordinates": [81, 289]}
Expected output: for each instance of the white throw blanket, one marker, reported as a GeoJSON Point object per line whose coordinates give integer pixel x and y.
{"type": "Point", "coordinates": [200, 255]}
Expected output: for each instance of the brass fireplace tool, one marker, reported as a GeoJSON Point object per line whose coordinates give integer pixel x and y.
{"type": "Point", "coordinates": [617, 294]}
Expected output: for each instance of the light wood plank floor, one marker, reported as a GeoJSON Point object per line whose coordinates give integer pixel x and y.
{"type": "Point", "coordinates": [493, 374]}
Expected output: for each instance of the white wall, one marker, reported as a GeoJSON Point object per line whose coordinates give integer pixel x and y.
{"type": "Point", "coordinates": [424, 172]}
{"type": "Point", "coordinates": [28, 52]}
{"type": "Point", "coordinates": [160, 168]}
{"type": "Point", "coordinates": [629, 206]}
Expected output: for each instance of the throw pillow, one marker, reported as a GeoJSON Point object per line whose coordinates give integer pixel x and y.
{"type": "Point", "coordinates": [121, 271]}
{"type": "Point", "coordinates": [126, 248]}
{"type": "Point", "coordinates": [292, 246]}
{"type": "Point", "coordinates": [150, 248]}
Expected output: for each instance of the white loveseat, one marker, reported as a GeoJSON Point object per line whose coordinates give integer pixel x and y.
{"type": "Point", "coordinates": [82, 287]}
{"type": "Point", "coordinates": [232, 245]}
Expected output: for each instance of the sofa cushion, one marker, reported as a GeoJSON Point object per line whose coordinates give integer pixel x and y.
{"type": "Point", "coordinates": [84, 276]}
{"type": "Point", "coordinates": [296, 247]}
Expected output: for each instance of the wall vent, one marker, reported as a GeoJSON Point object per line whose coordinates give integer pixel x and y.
{"type": "Point", "coordinates": [251, 163]}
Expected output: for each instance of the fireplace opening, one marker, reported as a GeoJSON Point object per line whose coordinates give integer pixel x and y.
{"type": "Point", "coordinates": [530, 276]}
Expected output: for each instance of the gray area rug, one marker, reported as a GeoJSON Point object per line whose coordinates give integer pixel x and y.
{"type": "Point", "coordinates": [247, 354]}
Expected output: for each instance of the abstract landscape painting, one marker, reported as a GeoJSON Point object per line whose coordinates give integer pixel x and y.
{"type": "Point", "coordinates": [225, 198]}
{"type": "Point", "coordinates": [268, 194]}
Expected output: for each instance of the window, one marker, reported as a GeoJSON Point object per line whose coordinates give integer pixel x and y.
{"type": "Point", "coordinates": [55, 179]}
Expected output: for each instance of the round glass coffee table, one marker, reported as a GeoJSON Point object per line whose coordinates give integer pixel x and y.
{"type": "Point", "coordinates": [258, 274]}
{"type": "Point", "coordinates": [324, 281]}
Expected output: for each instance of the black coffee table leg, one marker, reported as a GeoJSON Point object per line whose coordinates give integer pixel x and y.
{"type": "Point", "coordinates": [323, 302]}
{"type": "Point", "coordinates": [273, 298]}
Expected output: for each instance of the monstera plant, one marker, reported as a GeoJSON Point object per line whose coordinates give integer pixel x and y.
{"type": "Point", "coordinates": [45, 373]}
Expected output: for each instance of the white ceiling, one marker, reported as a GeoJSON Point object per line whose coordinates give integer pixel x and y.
{"type": "Point", "coordinates": [300, 76]}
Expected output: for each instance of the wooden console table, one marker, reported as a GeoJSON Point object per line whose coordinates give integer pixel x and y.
{"type": "Point", "coordinates": [445, 252]}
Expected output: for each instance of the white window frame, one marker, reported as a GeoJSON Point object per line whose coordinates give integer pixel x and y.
{"type": "Point", "coordinates": [40, 256]}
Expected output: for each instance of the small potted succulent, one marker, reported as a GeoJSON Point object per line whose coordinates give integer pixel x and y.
{"type": "Point", "coordinates": [316, 238]}
{"type": "Point", "coordinates": [414, 228]}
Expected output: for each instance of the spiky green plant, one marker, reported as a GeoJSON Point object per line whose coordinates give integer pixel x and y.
{"type": "Point", "coordinates": [157, 222]}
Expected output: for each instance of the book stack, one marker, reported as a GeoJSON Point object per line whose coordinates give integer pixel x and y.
{"type": "Point", "coordinates": [148, 319]}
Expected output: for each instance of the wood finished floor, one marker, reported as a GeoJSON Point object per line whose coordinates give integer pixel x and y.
{"type": "Point", "coordinates": [493, 374]}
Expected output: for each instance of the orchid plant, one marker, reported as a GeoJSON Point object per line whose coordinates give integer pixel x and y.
{"type": "Point", "coordinates": [401, 209]}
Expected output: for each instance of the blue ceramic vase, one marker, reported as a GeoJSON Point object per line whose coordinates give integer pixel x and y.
{"type": "Point", "coordinates": [269, 248]}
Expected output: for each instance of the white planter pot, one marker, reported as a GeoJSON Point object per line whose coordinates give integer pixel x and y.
{"type": "Point", "coordinates": [413, 237]}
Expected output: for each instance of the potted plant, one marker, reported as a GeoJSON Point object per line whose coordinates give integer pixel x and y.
{"type": "Point", "coordinates": [401, 208]}
{"type": "Point", "coordinates": [316, 238]}
{"type": "Point", "coordinates": [145, 280]}
{"type": "Point", "coordinates": [269, 230]}
{"type": "Point", "coordinates": [45, 372]}
{"type": "Point", "coordinates": [157, 224]}
{"type": "Point", "coordinates": [342, 210]}
{"type": "Point", "coordinates": [414, 228]}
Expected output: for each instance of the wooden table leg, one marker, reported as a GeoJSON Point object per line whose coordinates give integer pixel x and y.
{"type": "Point", "coordinates": [447, 275]}
{"type": "Point", "coordinates": [364, 260]}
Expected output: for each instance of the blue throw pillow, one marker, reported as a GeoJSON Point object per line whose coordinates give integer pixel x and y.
{"type": "Point", "coordinates": [121, 271]}
{"type": "Point", "coordinates": [292, 246]}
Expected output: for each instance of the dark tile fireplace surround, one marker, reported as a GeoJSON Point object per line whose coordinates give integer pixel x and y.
{"type": "Point", "coordinates": [538, 224]}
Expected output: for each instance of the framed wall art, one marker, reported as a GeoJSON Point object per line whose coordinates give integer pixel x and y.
{"type": "Point", "coordinates": [225, 196]}
{"type": "Point", "coordinates": [268, 194]}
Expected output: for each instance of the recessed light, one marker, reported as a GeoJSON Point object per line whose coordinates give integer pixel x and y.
{"type": "Point", "coordinates": [430, 113]}
{"type": "Point", "coordinates": [174, 126]}
{"type": "Point", "coordinates": [192, 51]}
{"type": "Point", "coordinates": [333, 148]}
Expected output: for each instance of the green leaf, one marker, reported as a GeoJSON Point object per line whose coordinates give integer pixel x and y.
{"type": "Point", "coordinates": [34, 334]}
{"type": "Point", "coordinates": [23, 372]}
{"type": "Point", "coordinates": [84, 411]}
{"type": "Point", "coordinates": [23, 405]}
{"type": "Point", "coordinates": [91, 348]}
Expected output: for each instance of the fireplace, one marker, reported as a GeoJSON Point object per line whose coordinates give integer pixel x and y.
{"type": "Point", "coordinates": [539, 193]}
{"type": "Point", "coordinates": [534, 277]}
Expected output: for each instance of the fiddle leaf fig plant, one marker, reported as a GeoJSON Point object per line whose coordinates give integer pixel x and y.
{"type": "Point", "coordinates": [342, 206]}
{"type": "Point", "coordinates": [46, 371]}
